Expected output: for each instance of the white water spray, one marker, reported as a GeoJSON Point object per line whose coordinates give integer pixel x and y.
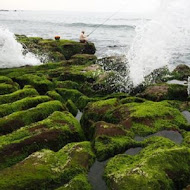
{"type": "Point", "coordinates": [11, 52]}
{"type": "Point", "coordinates": [162, 41]}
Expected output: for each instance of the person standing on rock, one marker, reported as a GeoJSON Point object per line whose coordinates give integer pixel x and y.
{"type": "Point", "coordinates": [83, 38]}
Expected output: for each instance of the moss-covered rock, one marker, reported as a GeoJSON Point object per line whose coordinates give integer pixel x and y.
{"type": "Point", "coordinates": [19, 94]}
{"type": "Point", "coordinates": [147, 118]}
{"type": "Point", "coordinates": [47, 169]}
{"type": "Point", "coordinates": [4, 79]}
{"type": "Point", "coordinates": [71, 94]}
{"type": "Point", "coordinates": [18, 119]}
{"type": "Point", "coordinates": [111, 139]}
{"type": "Point", "coordinates": [84, 59]}
{"type": "Point", "coordinates": [95, 112]}
{"type": "Point", "coordinates": [77, 73]}
{"type": "Point", "coordinates": [8, 88]}
{"type": "Point", "coordinates": [112, 125]}
{"type": "Point", "coordinates": [186, 140]}
{"type": "Point", "coordinates": [55, 96]}
{"type": "Point", "coordinates": [77, 183]}
{"type": "Point", "coordinates": [165, 91]}
{"type": "Point", "coordinates": [40, 83]}
{"type": "Point", "coordinates": [140, 118]}
{"type": "Point", "coordinates": [67, 84]}
{"type": "Point", "coordinates": [56, 56]}
{"type": "Point", "coordinates": [132, 99]}
{"type": "Point", "coordinates": [161, 165]}
{"type": "Point", "coordinates": [56, 50]}
{"type": "Point", "coordinates": [72, 107]}
{"type": "Point", "coordinates": [181, 72]}
{"type": "Point", "coordinates": [53, 133]}
{"type": "Point", "coordinates": [25, 103]}
{"type": "Point", "coordinates": [84, 100]}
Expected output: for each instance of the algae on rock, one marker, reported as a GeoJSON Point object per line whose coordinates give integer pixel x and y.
{"type": "Point", "coordinates": [160, 165]}
{"type": "Point", "coordinates": [19, 119]}
{"type": "Point", "coordinates": [53, 133]}
{"type": "Point", "coordinates": [47, 169]}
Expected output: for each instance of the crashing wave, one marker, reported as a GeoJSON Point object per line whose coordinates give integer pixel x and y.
{"type": "Point", "coordinates": [11, 52]}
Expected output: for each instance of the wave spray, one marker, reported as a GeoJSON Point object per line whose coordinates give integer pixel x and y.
{"type": "Point", "coordinates": [162, 41]}
{"type": "Point", "coordinates": [11, 52]}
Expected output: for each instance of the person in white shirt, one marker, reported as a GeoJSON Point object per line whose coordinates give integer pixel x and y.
{"type": "Point", "coordinates": [83, 37]}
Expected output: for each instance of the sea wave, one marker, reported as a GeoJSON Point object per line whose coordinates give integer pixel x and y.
{"type": "Point", "coordinates": [78, 24]}
{"type": "Point", "coordinates": [103, 26]}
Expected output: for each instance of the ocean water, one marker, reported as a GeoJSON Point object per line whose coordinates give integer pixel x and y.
{"type": "Point", "coordinates": [113, 38]}
{"type": "Point", "coordinates": [151, 41]}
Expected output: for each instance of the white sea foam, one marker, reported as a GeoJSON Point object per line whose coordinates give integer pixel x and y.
{"type": "Point", "coordinates": [11, 52]}
{"type": "Point", "coordinates": [162, 41]}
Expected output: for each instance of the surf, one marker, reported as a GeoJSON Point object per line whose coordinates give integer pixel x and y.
{"type": "Point", "coordinates": [162, 41]}
{"type": "Point", "coordinates": [12, 52]}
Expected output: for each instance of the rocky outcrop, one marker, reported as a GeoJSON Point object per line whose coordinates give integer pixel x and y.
{"type": "Point", "coordinates": [113, 124]}
{"type": "Point", "coordinates": [165, 91]}
{"type": "Point", "coordinates": [55, 50]}
{"type": "Point", "coordinates": [53, 133]}
{"type": "Point", "coordinates": [43, 145]}
{"type": "Point", "coordinates": [49, 169]}
{"type": "Point", "coordinates": [181, 72]}
{"type": "Point", "coordinates": [167, 162]}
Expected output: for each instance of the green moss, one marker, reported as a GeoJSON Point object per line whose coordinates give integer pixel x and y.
{"type": "Point", "coordinates": [19, 94]}
{"type": "Point", "coordinates": [161, 165]}
{"type": "Point", "coordinates": [147, 117]}
{"type": "Point", "coordinates": [7, 88]}
{"type": "Point", "coordinates": [186, 141]}
{"type": "Point", "coordinates": [118, 95]}
{"type": "Point", "coordinates": [106, 147]}
{"type": "Point", "coordinates": [46, 66]}
{"type": "Point", "coordinates": [181, 72]}
{"type": "Point", "coordinates": [132, 99]}
{"type": "Point", "coordinates": [25, 103]}
{"type": "Point", "coordinates": [151, 109]}
{"type": "Point", "coordinates": [77, 183]}
{"type": "Point", "coordinates": [76, 73]}
{"type": "Point", "coordinates": [110, 139]}
{"type": "Point", "coordinates": [165, 91]}
{"type": "Point", "coordinates": [28, 86]}
{"type": "Point", "coordinates": [55, 96]}
{"type": "Point", "coordinates": [84, 100]}
{"type": "Point", "coordinates": [48, 169]}
{"type": "Point", "coordinates": [54, 132]}
{"type": "Point", "coordinates": [19, 119]}
{"type": "Point", "coordinates": [110, 103]}
{"type": "Point", "coordinates": [67, 84]}
{"type": "Point", "coordinates": [156, 115]}
{"type": "Point", "coordinates": [40, 83]}
{"type": "Point", "coordinates": [84, 58]}
{"type": "Point", "coordinates": [56, 56]}
{"type": "Point", "coordinates": [67, 94]}
{"type": "Point", "coordinates": [4, 79]}
{"type": "Point", "coordinates": [66, 48]}
{"type": "Point", "coordinates": [95, 112]}
{"type": "Point", "coordinates": [72, 107]}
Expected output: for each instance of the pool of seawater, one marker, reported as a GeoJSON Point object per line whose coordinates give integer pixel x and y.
{"type": "Point", "coordinates": [79, 115]}
{"type": "Point", "coordinates": [95, 175]}
{"type": "Point", "coordinates": [172, 135]}
{"type": "Point", "coordinates": [186, 114]}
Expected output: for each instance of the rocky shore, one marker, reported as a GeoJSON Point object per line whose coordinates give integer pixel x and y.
{"type": "Point", "coordinates": [64, 120]}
